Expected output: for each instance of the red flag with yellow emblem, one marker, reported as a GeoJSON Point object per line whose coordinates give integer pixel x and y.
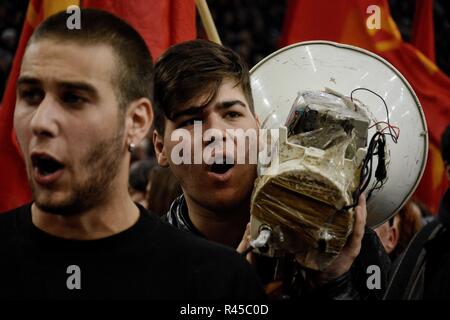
{"type": "Point", "coordinates": [346, 21]}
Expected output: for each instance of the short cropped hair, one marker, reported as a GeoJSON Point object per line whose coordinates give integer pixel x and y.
{"type": "Point", "coordinates": [134, 65]}
{"type": "Point", "coordinates": [191, 69]}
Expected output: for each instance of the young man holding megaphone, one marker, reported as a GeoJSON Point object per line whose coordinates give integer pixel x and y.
{"type": "Point", "coordinates": [202, 97]}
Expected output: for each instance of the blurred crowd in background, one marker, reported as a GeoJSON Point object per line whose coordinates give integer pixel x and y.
{"type": "Point", "coordinates": [12, 14]}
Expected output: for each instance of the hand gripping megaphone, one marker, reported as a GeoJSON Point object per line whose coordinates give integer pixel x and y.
{"type": "Point", "coordinates": [348, 122]}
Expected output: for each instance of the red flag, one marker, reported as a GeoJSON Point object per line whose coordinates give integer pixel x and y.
{"type": "Point", "coordinates": [161, 23]}
{"type": "Point", "coordinates": [345, 21]}
{"type": "Point", "coordinates": [423, 29]}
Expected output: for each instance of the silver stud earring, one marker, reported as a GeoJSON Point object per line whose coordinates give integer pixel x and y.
{"type": "Point", "coordinates": [131, 147]}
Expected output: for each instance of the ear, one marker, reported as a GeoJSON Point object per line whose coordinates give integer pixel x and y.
{"type": "Point", "coordinates": [160, 151]}
{"type": "Point", "coordinates": [394, 234]}
{"type": "Point", "coordinates": [139, 118]}
{"type": "Point", "coordinates": [257, 121]}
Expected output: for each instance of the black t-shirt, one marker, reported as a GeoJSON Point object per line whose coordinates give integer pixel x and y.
{"type": "Point", "coordinates": [150, 260]}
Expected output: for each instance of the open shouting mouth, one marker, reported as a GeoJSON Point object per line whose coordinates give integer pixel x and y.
{"type": "Point", "coordinates": [46, 169]}
{"type": "Point", "coordinates": [221, 170]}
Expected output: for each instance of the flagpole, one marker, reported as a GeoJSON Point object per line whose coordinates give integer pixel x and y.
{"type": "Point", "coordinates": [207, 21]}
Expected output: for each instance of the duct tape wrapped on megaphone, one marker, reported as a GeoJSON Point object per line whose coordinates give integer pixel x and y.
{"type": "Point", "coordinates": [348, 123]}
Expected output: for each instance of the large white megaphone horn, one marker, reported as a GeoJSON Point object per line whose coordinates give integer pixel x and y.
{"type": "Point", "coordinates": [316, 66]}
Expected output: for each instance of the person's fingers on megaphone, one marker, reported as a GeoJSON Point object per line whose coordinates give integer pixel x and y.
{"type": "Point", "coordinates": [353, 245]}
{"type": "Point", "coordinates": [245, 244]}
{"type": "Point", "coordinates": [351, 250]}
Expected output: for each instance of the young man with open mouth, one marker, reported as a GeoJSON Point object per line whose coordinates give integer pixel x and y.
{"type": "Point", "coordinates": [199, 83]}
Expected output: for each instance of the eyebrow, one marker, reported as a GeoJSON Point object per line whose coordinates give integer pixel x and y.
{"type": "Point", "coordinates": [195, 110]}
{"type": "Point", "coordinates": [229, 103]}
{"type": "Point", "coordinates": [81, 86]}
{"type": "Point", "coordinates": [27, 80]}
{"type": "Point", "coordinates": [68, 85]}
